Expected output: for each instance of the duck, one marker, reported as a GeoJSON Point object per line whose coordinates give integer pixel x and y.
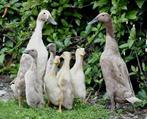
{"type": "Point", "coordinates": [64, 81]}
{"type": "Point", "coordinates": [36, 42]}
{"type": "Point", "coordinates": [52, 49]}
{"type": "Point", "coordinates": [54, 91]}
{"type": "Point", "coordinates": [18, 84]}
{"type": "Point", "coordinates": [114, 69]}
{"type": "Point", "coordinates": [78, 76]}
{"type": "Point", "coordinates": [33, 95]}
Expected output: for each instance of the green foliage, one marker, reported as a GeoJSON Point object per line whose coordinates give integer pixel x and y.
{"type": "Point", "coordinates": [143, 96]}
{"type": "Point", "coordinates": [72, 17]}
{"type": "Point", "coordinates": [10, 110]}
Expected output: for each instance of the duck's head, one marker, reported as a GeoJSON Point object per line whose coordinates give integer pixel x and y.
{"type": "Point", "coordinates": [80, 51]}
{"type": "Point", "coordinates": [51, 47]}
{"type": "Point", "coordinates": [32, 52]}
{"type": "Point", "coordinates": [66, 55]}
{"type": "Point", "coordinates": [57, 60]}
{"type": "Point", "coordinates": [102, 17]}
{"type": "Point", "coordinates": [45, 16]}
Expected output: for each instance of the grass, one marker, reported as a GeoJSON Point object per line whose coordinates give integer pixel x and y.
{"type": "Point", "coordinates": [10, 110]}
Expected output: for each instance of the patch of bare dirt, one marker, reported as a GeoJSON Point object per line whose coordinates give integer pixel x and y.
{"type": "Point", "coordinates": [122, 111]}
{"type": "Point", "coordinates": [5, 90]}
{"type": "Point", "coordinates": [137, 114]}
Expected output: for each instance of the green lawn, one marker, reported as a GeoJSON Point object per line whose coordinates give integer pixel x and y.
{"type": "Point", "coordinates": [10, 110]}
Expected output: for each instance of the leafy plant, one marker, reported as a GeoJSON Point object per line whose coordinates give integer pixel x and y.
{"type": "Point", "coordinates": [18, 24]}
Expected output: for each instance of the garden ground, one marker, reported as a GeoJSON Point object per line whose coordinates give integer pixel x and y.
{"type": "Point", "coordinates": [97, 110]}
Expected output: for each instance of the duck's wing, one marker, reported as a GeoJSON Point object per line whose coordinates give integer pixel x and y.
{"type": "Point", "coordinates": [107, 69]}
{"type": "Point", "coordinates": [33, 79]}
{"type": "Point", "coordinates": [127, 83]}
{"type": "Point", "coordinates": [121, 73]}
{"type": "Point", "coordinates": [60, 83]}
{"type": "Point", "coordinates": [115, 69]}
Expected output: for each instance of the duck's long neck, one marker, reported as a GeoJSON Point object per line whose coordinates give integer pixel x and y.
{"type": "Point", "coordinates": [36, 38]}
{"type": "Point", "coordinates": [52, 56]}
{"type": "Point", "coordinates": [39, 26]}
{"type": "Point", "coordinates": [79, 62]}
{"type": "Point", "coordinates": [66, 64]}
{"type": "Point", "coordinates": [109, 29]}
{"type": "Point", "coordinates": [53, 70]}
{"type": "Point", "coordinates": [111, 43]}
{"type": "Point", "coordinates": [50, 62]}
{"type": "Point", "coordinates": [37, 34]}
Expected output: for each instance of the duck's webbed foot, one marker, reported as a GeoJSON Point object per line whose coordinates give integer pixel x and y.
{"type": "Point", "coordinates": [60, 102]}
{"type": "Point", "coordinates": [59, 109]}
{"type": "Point", "coordinates": [112, 102]}
{"type": "Point", "coordinates": [48, 103]}
{"type": "Point", "coordinates": [20, 100]}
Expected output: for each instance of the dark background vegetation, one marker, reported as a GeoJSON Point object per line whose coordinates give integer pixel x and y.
{"type": "Point", "coordinates": [129, 18]}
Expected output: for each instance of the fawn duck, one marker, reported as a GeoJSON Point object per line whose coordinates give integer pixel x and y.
{"type": "Point", "coordinates": [78, 76]}
{"type": "Point", "coordinates": [114, 69]}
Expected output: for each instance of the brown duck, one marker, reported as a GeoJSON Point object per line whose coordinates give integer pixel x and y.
{"type": "Point", "coordinates": [114, 69]}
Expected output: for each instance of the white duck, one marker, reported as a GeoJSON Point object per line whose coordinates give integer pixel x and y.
{"type": "Point", "coordinates": [36, 43]}
{"type": "Point", "coordinates": [54, 92]}
{"type": "Point", "coordinates": [18, 85]}
{"type": "Point", "coordinates": [114, 69]}
{"type": "Point", "coordinates": [33, 96]}
{"type": "Point", "coordinates": [64, 81]}
{"type": "Point", "coordinates": [78, 76]}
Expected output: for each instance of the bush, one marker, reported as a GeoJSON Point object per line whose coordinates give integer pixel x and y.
{"type": "Point", "coordinates": [72, 16]}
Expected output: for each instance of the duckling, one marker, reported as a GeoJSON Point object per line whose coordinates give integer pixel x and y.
{"type": "Point", "coordinates": [78, 76]}
{"type": "Point", "coordinates": [64, 81]}
{"type": "Point", "coordinates": [54, 92]}
{"type": "Point", "coordinates": [18, 84]}
{"type": "Point", "coordinates": [114, 69]}
{"type": "Point", "coordinates": [33, 95]}
{"type": "Point", "coordinates": [36, 43]}
{"type": "Point", "coordinates": [52, 49]}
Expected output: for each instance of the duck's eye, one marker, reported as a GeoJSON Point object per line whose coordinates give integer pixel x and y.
{"type": "Point", "coordinates": [44, 13]}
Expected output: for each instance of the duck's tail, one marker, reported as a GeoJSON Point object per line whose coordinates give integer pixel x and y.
{"type": "Point", "coordinates": [133, 99]}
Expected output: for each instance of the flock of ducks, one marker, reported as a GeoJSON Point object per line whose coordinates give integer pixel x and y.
{"type": "Point", "coordinates": [38, 75]}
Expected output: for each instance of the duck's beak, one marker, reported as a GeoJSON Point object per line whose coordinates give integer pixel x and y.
{"type": "Point", "coordinates": [84, 53]}
{"type": "Point", "coordinates": [52, 48]}
{"type": "Point", "coordinates": [94, 20]}
{"type": "Point", "coordinates": [61, 56]}
{"type": "Point", "coordinates": [57, 62]}
{"type": "Point", "coordinates": [48, 46]}
{"type": "Point", "coordinates": [52, 21]}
